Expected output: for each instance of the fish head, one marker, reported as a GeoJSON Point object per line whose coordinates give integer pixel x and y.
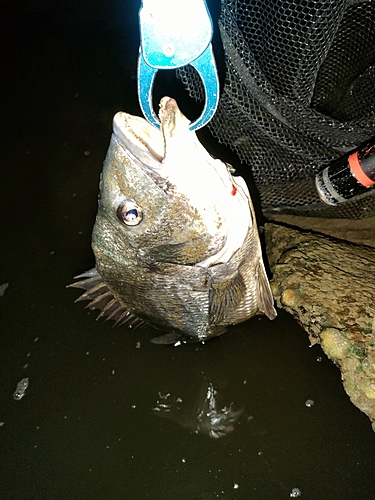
{"type": "Point", "coordinates": [164, 198]}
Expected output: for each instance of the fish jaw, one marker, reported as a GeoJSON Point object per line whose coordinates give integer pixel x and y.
{"type": "Point", "coordinates": [223, 200]}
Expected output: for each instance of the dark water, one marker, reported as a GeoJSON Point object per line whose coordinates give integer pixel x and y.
{"type": "Point", "coordinates": [86, 427]}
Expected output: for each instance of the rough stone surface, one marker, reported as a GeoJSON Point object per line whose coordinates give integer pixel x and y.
{"type": "Point", "coordinates": [328, 285]}
{"type": "Point", "coordinates": [360, 231]}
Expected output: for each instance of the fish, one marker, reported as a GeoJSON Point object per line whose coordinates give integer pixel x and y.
{"type": "Point", "coordinates": [175, 238]}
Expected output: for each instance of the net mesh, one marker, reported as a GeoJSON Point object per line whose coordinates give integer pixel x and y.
{"type": "Point", "coordinates": [299, 92]}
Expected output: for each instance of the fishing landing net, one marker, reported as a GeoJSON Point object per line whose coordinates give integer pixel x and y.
{"type": "Point", "coordinates": [299, 93]}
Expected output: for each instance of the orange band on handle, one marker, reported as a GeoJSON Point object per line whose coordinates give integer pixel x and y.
{"type": "Point", "coordinates": [357, 171]}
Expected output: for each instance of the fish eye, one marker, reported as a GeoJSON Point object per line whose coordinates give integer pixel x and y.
{"type": "Point", "coordinates": [129, 213]}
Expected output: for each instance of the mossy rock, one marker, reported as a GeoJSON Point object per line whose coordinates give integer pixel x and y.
{"type": "Point", "coordinates": [328, 285]}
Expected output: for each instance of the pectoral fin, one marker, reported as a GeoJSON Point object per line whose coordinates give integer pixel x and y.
{"type": "Point", "coordinates": [225, 294]}
{"type": "Point", "coordinates": [264, 294]}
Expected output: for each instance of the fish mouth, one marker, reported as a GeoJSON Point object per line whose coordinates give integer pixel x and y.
{"type": "Point", "coordinates": [145, 144]}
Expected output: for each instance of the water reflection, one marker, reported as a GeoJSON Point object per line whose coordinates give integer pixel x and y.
{"type": "Point", "coordinates": [206, 414]}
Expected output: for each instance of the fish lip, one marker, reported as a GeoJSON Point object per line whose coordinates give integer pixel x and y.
{"type": "Point", "coordinates": [137, 134]}
{"type": "Point", "coordinates": [142, 143]}
{"type": "Point", "coordinates": [145, 142]}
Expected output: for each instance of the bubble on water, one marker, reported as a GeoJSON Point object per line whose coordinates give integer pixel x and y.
{"type": "Point", "coordinates": [22, 385]}
{"type": "Point", "coordinates": [295, 493]}
{"type": "Point", "coordinates": [319, 359]}
{"type": "Point", "coordinates": [309, 403]}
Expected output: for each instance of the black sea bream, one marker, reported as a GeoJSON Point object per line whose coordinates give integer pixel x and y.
{"type": "Point", "coordinates": [175, 239]}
